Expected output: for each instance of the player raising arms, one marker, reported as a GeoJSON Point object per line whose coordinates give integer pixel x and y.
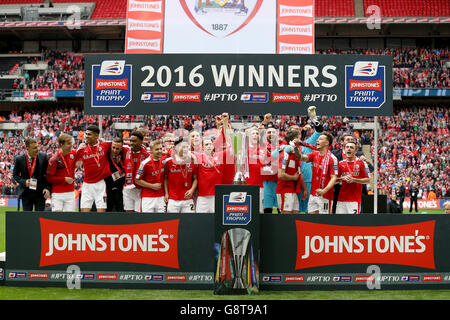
{"type": "Point", "coordinates": [353, 173]}
{"type": "Point", "coordinates": [150, 177]}
{"type": "Point", "coordinates": [61, 174]}
{"type": "Point", "coordinates": [325, 173]}
{"type": "Point", "coordinates": [180, 179]}
{"type": "Point", "coordinates": [209, 174]}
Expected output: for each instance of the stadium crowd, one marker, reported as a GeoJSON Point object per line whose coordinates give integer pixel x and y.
{"type": "Point", "coordinates": [414, 148]}
{"type": "Point", "coordinates": [412, 68]}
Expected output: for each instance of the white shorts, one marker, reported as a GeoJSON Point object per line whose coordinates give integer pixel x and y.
{"type": "Point", "coordinates": [131, 199]}
{"type": "Point", "coordinates": [205, 204]}
{"type": "Point", "coordinates": [320, 204]}
{"type": "Point", "coordinates": [288, 201]}
{"type": "Point", "coordinates": [347, 207]}
{"type": "Point", "coordinates": [153, 204]}
{"type": "Point", "coordinates": [93, 192]}
{"type": "Point", "coordinates": [64, 201]}
{"type": "Point", "coordinates": [180, 206]}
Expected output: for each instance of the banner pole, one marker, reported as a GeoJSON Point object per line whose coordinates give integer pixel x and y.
{"type": "Point", "coordinates": [375, 170]}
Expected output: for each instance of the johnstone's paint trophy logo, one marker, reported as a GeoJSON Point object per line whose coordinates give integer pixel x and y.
{"type": "Point", "coordinates": [365, 85]}
{"type": "Point", "coordinates": [111, 84]}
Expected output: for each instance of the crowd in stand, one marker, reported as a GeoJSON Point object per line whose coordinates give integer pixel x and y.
{"type": "Point", "coordinates": [412, 68]}
{"type": "Point", "coordinates": [414, 148]}
{"type": "Point", "coordinates": [65, 71]}
{"type": "Point", "coordinates": [413, 144]}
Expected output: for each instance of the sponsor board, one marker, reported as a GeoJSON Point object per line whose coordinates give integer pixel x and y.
{"type": "Point", "coordinates": [365, 85]}
{"type": "Point", "coordinates": [296, 251]}
{"type": "Point", "coordinates": [111, 84]}
{"type": "Point", "coordinates": [409, 244]}
{"type": "Point", "coordinates": [237, 209]}
{"type": "Point", "coordinates": [423, 204]}
{"type": "Point", "coordinates": [238, 84]}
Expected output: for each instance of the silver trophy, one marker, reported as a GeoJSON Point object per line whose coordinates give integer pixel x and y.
{"type": "Point", "coordinates": [240, 151]}
{"type": "Point", "coordinates": [239, 240]}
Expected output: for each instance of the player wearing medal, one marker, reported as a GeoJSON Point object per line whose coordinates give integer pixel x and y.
{"type": "Point", "coordinates": [180, 179]}
{"type": "Point", "coordinates": [209, 174]}
{"type": "Point", "coordinates": [61, 174]}
{"type": "Point", "coordinates": [94, 155]}
{"type": "Point", "coordinates": [135, 154]}
{"type": "Point", "coordinates": [150, 177]}
{"type": "Point", "coordinates": [353, 173]}
{"type": "Point", "coordinates": [325, 172]}
{"type": "Point", "coordinates": [289, 176]}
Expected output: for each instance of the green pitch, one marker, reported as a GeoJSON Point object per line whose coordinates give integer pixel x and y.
{"type": "Point", "coordinates": [30, 293]}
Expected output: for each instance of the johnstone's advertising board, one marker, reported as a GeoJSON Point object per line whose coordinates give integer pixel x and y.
{"type": "Point", "coordinates": [173, 251]}
{"type": "Point", "coordinates": [352, 85]}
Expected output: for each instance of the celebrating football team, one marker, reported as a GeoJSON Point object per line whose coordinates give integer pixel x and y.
{"type": "Point", "coordinates": [177, 175]}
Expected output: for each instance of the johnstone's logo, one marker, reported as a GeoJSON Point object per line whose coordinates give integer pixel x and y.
{"type": "Point", "coordinates": [322, 245]}
{"type": "Point", "coordinates": [237, 209]}
{"type": "Point", "coordinates": [365, 85]}
{"type": "Point", "coordinates": [111, 84]}
{"type": "Point", "coordinates": [149, 243]}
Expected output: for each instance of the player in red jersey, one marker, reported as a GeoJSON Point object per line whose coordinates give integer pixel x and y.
{"type": "Point", "coordinates": [324, 175]}
{"type": "Point", "coordinates": [133, 159]}
{"type": "Point", "coordinates": [223, 148]}
{"type": "Point", "coordinates": [61, 174]}
{"type": "Point", "coordinates": [353, 173]}
{"type": "Point", "coordinates": [94, 156]}
{"type": "Point", "coordinates": [209, 174]}
{"type": "Point", "coordinates": [150, 177]}
{"type": "Point", "coordinates": [289, 175]}
{"type": "Point", "coordinates": [180, 179]}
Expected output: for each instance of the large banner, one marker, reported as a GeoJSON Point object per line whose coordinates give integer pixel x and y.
{"type": "Point", "coordinates": [355, 251]}
{"type": "Point", "coordinates": [220, 26]}
{"type": "Point", "coordinates": [297, 252]}
{"type": "Point", "coordinates": [136, 250]}
{"type": "Point", "coordinates": [248, 84]}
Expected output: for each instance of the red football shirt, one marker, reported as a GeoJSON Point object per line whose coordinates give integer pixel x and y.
{"type": "Point", "coordinates": [151, 171]}
{"type": "Point", "coordinates": [95, 161]}
{"type": "Point", "coordinates": [352, 191]}
{"type": "Point", "coordinates": [254, 167]}
{"type": "Point", "coordinates": [210, 173]}
{"type": "Point", "coordinates": [179, 178]}
{"type": "Point", "coordinates": [60, 167]}
{"type": "Point", "coordinates": [318, 164]}
{"type": "Point", "coordinates": [289, 163]}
